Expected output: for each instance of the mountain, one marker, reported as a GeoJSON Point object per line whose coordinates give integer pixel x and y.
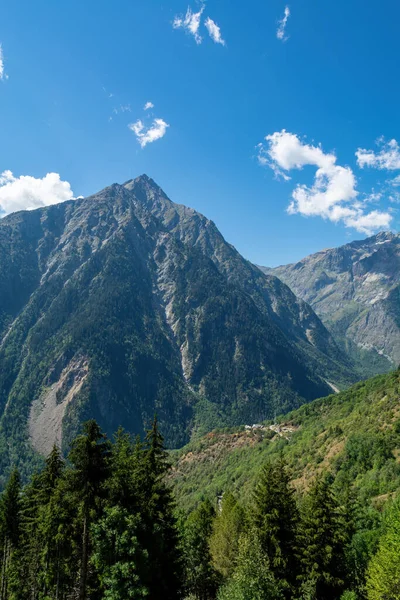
{"type": "Point", "coordinates": [124, 304]}
{"type": "Point", "coordinates": [355, 290]}
{"type": "Point", "coordinates": [354, 435]}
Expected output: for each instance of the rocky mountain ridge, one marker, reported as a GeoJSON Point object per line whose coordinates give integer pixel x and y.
{"type": "Point", "coordinates": [124, 304]}
{"type": "Point", "coordinates": [354, 289]}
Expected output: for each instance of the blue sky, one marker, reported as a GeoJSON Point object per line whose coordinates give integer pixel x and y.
{"type": "Point", "coordinates": [76, 74]}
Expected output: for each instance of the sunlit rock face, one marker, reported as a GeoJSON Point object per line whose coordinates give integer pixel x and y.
{"type": "Point", "coordinates": [355, 291]}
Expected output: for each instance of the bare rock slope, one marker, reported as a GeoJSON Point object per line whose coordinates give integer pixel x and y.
{"type": "Point", "coordinates": [354, 289]}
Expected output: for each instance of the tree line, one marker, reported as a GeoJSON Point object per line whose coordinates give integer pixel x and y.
{"type": "Point", "coordinates": [103, 525]}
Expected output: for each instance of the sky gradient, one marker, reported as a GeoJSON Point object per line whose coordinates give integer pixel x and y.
{"type": "Point", "coordinates": [75, 78]}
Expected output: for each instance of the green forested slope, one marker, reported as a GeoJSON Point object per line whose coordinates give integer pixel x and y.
{"type": "Point", "coordinates": [355, 435]}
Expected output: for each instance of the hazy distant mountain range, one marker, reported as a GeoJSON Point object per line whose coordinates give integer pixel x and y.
{"type": "Point", "coordinates": [124, 304]}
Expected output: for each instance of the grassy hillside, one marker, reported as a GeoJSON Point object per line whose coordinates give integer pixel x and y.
{"type": "Point", "coordinates": [354, 434]}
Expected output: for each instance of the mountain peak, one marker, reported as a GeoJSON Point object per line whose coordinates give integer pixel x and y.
{"type": "Point", "coordinates": [383, 236]}
{"type": "Point", "coordinates": [148, 192]}
{"type": "Point", "coordinates": [141, 180]}
{"type": "Point", "coordinates": [355, 289]}
{"type": "Point", "coordinates": [149, 310]}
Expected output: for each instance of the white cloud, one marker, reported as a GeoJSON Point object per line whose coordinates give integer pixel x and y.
{"type": "Point", "coordinates": [370, 222]}
{"type": "Point", "coordinates": [147, 135]}
{"type": "Point", "coordinates": [2, 71]}
{"type": "Point", "coordinates": [373, 197]}
{"type": "Point", "coordinates": [395, 197]}
{"type": "Point", "coordinates": [281, 31]}
{"type": "Point", "coordinates": [332, 196]}
{"type": "Point", "coordinates": [190, 23]}
{"type": "Point", "coordinates": [122, 108]}
{"type": "Point", "coordinates": [214, 31]}
{"type": "Point", "coordinates": [108, 94]}
{"type": "Point", "coordinates": [388, 158]}
{"type": "Point", "coordinates": [27, 193]}
{"type": "Point", "coordinates": [148, 105]}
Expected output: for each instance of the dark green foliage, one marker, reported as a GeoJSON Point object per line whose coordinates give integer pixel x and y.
{"type": "Point", "coordinates": [10, 531]}
{"type": "Point", "coordinates": [104, 527]}
{"type": "Point", "coordinates": [117, 555]}
{"type": "Point", "coordinates": [227, 528]}
{"type": "Point", "coordinates": [89, 456]}
{"type": "Point", "coordinates": [276, 519]}
{"type": "Point", "coordinates": [9, 510]}
{"type": "Point", "coordinates": [323, 539]}
{"type": "Point", "coordinates": [364, 452]}
{"type": "Point", "coordinates": [162, 540]}
{"type": "Point", "coordinates": [138, 496]}
{"type": "Point", "coordinates": [252, 578]}
{"type": "Point", "coordinates": [201, 579]}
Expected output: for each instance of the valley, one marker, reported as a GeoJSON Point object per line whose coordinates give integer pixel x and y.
{"type": "Point", "coordinates": [124, 305]}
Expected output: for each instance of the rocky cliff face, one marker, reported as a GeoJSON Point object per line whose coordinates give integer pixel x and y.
{"type": "Point", "coordinates": [124, 304]}
{"type": "Point", "coordinates": [355, 291]}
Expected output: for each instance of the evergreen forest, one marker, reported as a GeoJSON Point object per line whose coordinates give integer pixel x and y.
{"type": "Point", "coordinates": [104, 524]}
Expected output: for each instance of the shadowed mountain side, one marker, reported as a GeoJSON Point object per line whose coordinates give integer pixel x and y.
{"type": "Point", "coordinates": [124, 304]}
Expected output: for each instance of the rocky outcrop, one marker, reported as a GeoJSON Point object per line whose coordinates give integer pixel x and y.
{"type": "Point", "coordinates": [355, 291]}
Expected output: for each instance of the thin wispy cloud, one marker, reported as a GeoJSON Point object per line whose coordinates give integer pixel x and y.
{"type": "Point", "coordinates": [108, 94]}
{"type": "Point", "coordinates": [281, 31]}
{"type": "Point", "coordinates": [388, 157]}
{"type": "Point", "coordinates": [122, 108]}
{"type": "Point", "coordinates": [214, 31]}
{"type": "Point", "coordinates": [27, 193]}
{"type": "Point", "coordinates": [3, 74]}
{"type": "Point", "coordinates": [333, 194]}
{"type": "Point", "coordinates": [190, 23]}
{"type": "Point", "coordinates": [149, 134]}
{"type": "Point", "coordinates": [395, 197]}
{"type": "Point", "coordinates": [148, 105]}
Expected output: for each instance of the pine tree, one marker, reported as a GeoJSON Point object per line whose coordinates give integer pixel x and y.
{"type": "Point", "coordinates": [323, 539]}
{"type": "Point", "coordinates": [27, 571]}
{"type": "Point", "coordinates": [118, 555]}
{"type": "Point", "coordinates": [121, 485]}
{"type": "Point", "coordinates": [199, 575]}
{"type": "Point", "coordinates": [119, 536]}
{"type": "Point", "coordinates": [89, 456]}
{"type": "Point", "coordinates": [128, 482]}
{"type": "Point", "coordinates": [252, 578]}
{"type": "Point", "coordinates": [227, 528]}
{"type": "Point", "coordinates": [362, 531]}
{"type": "Point", "coordinates": [9, 527]}
{"type": "Point", "coordinates": [61, 533]}
{"type": "Point", "coordinates": [31, 541]}
{"type": "Point", "coordinates": [52, 472]}
{"type": "Point", "coordinates": [161, 540]}
{"type": "Point", "coordinates": [40, 515]}
{"type": "Point", "coordinates": [276, 519]}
